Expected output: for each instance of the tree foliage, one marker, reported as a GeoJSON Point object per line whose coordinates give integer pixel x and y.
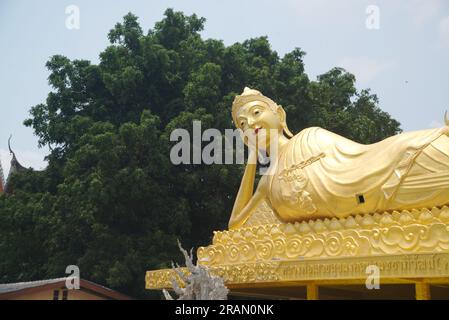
{"type": "Point", "coordinates": [110, 201]}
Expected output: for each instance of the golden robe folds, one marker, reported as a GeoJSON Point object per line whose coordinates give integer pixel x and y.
{"type": "Point", "coordinates": [322, 174]}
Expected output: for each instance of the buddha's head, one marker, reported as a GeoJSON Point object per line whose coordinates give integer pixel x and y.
{"type": "Point", "coordinates": [256, 114]}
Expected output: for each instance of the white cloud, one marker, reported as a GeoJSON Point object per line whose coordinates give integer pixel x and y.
{"type": "Point", "coordinates": [443, 31]}
{"type": "Point", "coordinates": [425, 10]}
{"type": "Point", "coordinates": [26, 158]}
{"type": "Point", "coordinates": [365, 68]}
{"type": "Point", "coordinates": [335, 13]}
{"type": "Point", "coordinates": [326, 13]}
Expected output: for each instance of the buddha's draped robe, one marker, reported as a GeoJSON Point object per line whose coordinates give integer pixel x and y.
{"type": "Point", "coordinates": [322, 174]}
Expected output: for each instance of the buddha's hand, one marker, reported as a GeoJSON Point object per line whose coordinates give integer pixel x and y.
{"type": "Point", "coordinates": [249, 138]}
{"type": "Point", "coordinates": [251, 142]}
{"type": "Point", "coordinates": [253, 152]}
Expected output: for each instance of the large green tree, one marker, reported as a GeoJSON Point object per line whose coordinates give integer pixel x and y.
{"type": "Point", "coordinates": [110, 200]}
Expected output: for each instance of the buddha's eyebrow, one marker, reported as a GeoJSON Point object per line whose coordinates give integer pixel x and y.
{"type": "Point", "coordinates": [240, 118]}
{"type": "Point", "coordinates": [254, 107]}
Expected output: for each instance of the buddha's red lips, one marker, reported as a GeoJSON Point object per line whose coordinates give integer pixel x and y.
{"type": "Point", "coordinates": [256, 130]}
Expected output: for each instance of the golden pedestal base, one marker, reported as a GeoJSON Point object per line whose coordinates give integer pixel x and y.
{"type": "Point", "coordinates": [332, 258]}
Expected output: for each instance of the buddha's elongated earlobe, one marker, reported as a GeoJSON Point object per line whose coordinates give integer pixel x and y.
{"type": "Point", "coordinates": [286, 130]}
{"type": "Point", "coordinates": [283, 119]}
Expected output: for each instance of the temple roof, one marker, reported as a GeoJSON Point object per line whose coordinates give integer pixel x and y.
{"type": "Point", "coordinates": [10, 287]}
{"type": "Point", "coordinates": [14, 290]}
{"type": "Point", "coordinates": [15, 167]}
{"type": "Point", "coordinates": [15, 164]}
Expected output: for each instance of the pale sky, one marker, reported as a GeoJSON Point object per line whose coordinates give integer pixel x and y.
{"type": "Point", "coordinates": [405, 61]}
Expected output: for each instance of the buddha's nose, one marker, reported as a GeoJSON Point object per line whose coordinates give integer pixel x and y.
{"type": "Point", "coordinates": [251, 122]}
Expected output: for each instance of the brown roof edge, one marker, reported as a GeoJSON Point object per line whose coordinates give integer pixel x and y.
{"type": "Point", "coordinates": [103, 290]}
{"type": "Point", "coordinates": [93, 287]}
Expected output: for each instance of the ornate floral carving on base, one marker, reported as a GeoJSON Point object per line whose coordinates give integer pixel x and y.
{"type": "Point", "coordinates": [362, 235]}
{"type": "Point", "coordinates": [406, 244]}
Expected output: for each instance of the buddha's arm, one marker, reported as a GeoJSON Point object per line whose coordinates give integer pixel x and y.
{"type": "Point", "coordinates": [246, 202]}
{"type": "Point", "coordinates": [239, 219]}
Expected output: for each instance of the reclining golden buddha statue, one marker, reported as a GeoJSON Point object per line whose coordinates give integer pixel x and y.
{"type": "Point", "coordinates": [329, 208]}
{"type": "Point", "coordinates": [318, 174]}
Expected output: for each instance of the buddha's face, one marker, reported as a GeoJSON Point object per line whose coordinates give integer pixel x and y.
{"type": "Point", "coordinates": [258, 120]}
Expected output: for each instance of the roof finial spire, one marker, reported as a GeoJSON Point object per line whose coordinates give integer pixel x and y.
{"type": "Point", "coordinates": [9, 145]}
{"type": "Point", "coordinates": [15, 166]}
